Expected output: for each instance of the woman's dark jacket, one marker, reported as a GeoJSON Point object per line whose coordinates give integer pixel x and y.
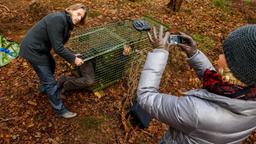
{"type": "Point", "coordinates": [52, 31]}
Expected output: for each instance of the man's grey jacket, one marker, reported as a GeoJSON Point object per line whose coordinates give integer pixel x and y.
{"type": "Point", "coordinates": [199, 117]}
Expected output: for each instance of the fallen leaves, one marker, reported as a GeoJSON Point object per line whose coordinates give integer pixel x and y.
{"type": "Point", "coordinates": [32, 103]}
{"type": "Point", "coordinates": [99, 94]}
{"type": "Point", "coordinates": [26, 116]}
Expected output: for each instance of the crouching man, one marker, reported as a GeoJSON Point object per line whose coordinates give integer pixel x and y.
{"type": "Point", "coordinates": [84, 79]}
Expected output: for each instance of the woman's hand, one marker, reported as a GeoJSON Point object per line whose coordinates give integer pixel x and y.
{"type": "Point", "coordinates": [159, 41]}
{"type": "Point", "coordinates": [78, 54]}
{"type": "Point", "coordinates": [188, 45]}
{"type": "Point", "coordinates": [78, 61]}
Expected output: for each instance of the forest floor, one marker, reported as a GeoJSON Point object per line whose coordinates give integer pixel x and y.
{"type": "Point", "coordinates": [26, 116]}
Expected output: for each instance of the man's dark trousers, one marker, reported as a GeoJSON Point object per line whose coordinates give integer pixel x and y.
{"type": "Point", "coordinates": [48, 83]}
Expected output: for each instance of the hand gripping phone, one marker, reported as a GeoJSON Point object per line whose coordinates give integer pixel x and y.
{"type": "Point", "coordinates": [175, 39]}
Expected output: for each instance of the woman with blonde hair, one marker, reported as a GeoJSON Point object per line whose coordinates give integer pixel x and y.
{"type": "Point", "coordinates": [52, 31]}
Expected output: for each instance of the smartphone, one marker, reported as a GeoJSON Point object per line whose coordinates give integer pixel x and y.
{"type": "Point", "coordinates": [175, 39]}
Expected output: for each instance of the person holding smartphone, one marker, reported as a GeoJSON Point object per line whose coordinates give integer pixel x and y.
{"type": "Point", "coordinates": [52, 31]}
{"type": "Point", "coordinates": [218, 113]}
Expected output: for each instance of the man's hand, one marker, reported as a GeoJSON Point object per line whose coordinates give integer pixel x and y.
{"type": "Point", "coordinates": [188, 45]}
{"type": "Point", "coordinates": [78, 61]}
{"type": "Point", "coordinates": [159, 41]}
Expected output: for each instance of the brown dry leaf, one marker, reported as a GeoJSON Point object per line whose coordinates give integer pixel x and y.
{"type": "Point", "coordinates": [99, 94]}
{"type": "Point", "coordinates": [52, 141]}
{"type": "Point", "coordinates": [30, 125]}
{"type": "Point", "coordinates": [32, 103]}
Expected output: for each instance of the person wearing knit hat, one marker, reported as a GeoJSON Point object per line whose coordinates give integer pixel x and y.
{"type": "Point", "coordinates": [217, 113]}
{"type": "Point", "coordinates": [240, 52]}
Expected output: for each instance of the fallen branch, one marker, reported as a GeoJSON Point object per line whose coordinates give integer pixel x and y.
{"type": "Point", "coordinates": [132, 83]}
{"type": "Point", "coordinates": [123, 114]}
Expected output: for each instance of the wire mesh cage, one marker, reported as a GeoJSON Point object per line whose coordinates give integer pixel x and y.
{"type": "Point", "coordinates": [111, 48]}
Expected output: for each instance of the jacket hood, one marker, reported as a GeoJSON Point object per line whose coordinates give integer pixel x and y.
{"type": "Point", "coordinates": [243, 107]}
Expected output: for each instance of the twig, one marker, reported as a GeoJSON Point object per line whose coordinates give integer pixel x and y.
{"type": "Point", "coordinates": [145, 132]}
{"type": "Point", "coordinates": [68, 130]}
{"type": "Point", "coordinates": [26, 72]}
{"type": "Point", "coordinates": [6, 119]}
{"type": "Point", "coordinates": [5, 7]}
{"type": "Point", "coordinates": [123, 114]}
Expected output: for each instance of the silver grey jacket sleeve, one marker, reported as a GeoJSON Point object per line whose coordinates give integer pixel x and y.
{"type": "Point", "coordinates": [169, 109]}
{"type": "Point", "coordinates": [200, 116]}
{"type": "Point", "coordinates": [199, 62]}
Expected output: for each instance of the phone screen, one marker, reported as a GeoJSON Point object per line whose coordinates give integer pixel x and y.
{"type": "Point", "coordinates": [174, 39]}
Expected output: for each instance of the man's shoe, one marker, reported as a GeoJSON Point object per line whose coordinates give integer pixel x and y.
{"type": "Point", "coordinates": [68, 114]}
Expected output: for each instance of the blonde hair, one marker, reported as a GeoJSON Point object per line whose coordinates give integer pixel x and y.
{"type": "Point", "coordinates": [76, 7]}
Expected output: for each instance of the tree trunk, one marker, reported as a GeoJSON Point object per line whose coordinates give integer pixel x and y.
{"type": "Point", "coordinates": [174, 5]}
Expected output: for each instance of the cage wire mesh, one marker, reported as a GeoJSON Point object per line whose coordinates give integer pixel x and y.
{"type": "Point", "coordinates": [111, 49]}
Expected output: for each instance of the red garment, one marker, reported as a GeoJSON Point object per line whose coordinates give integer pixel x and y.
{"type": "Point", "coordinates": [213, 82]}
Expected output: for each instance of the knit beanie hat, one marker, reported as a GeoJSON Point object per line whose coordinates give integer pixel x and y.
{"type": "Point", "coordinates": [240, 52]}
